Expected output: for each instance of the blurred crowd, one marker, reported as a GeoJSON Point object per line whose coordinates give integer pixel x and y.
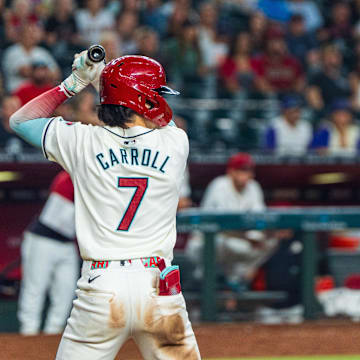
{"type": "Point", "coordinates": [291, 67]}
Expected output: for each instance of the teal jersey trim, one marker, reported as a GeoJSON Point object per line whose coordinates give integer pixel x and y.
{"type": "Point", "coordinates": [32, 130]}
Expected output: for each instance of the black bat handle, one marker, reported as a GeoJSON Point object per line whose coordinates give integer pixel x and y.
{"type": "Point", "coordinates": [96, 53]}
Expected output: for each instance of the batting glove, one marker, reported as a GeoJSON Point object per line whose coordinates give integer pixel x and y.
{"type": "Point", "coordinates": [83, 73]}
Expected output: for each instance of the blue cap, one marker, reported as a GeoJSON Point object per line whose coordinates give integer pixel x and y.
{"type": "Point", "coordinates": [341, 104]}
{"type": "Point", "coordinates": [291, 101]}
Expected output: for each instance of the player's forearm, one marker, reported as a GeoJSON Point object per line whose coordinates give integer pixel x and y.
{"type": "Point", "coordinates": [43, 106]}
{"type": "Point", "coordinates": [38, 110]}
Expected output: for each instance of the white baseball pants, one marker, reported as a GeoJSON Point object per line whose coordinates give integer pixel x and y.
{"type": "Point", "coordinates": [48, 266]}
{"type": "Point", "coordinates": [120, 302]}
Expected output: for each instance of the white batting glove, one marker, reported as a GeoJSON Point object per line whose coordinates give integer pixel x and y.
{"type": "Point", "coordinates": [83, 73]}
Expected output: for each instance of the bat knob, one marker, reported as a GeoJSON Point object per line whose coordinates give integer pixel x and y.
{"type": "Point", "coordinates": [96, 53]}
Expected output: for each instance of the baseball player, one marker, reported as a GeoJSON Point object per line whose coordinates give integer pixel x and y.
{"type": "Point", "coordinates": [50, 261]}
{"type": "Point", "coordinates": [239, 252]}
{"type": "Point", "coordinates": [127, 176]}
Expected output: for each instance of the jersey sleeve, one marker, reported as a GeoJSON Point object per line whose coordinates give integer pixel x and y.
{"type": "Point", "coordinates": [61, 142]}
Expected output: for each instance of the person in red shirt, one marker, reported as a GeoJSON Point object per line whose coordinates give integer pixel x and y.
{"type": "Point", "coordinates": [20, 14]}
{"type": "Point", "coordinates": [276, 71]}
{"type": "Point", "coordinates": [40, 82]}
{"type": "Point", "coordinates": [236, 73]}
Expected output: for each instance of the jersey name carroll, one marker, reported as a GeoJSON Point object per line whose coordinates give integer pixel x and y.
{"type": "Point", "coordinates": [126, 186]}
{"type": "Point", "coordinates": [133, 157]}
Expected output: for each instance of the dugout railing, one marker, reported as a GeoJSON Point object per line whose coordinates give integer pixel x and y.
{"type": "Point", "coordinates": [308, 220]}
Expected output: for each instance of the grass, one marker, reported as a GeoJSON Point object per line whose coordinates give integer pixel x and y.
{"type": "Point", "coordinates": [328, 357]}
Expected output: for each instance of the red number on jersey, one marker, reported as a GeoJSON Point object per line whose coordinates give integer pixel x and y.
{"type": "Point", "coordinates": [141, 185]}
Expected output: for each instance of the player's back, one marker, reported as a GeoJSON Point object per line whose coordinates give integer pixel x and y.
{"type": "Point", "coordinates": [126, 188]}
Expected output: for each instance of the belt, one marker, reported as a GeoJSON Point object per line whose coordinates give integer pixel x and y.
{"type": "Point", "coordinates": [148, 262]}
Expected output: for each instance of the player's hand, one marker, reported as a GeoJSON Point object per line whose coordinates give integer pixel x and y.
{"type": "Point", "coordinates": [83, 73]}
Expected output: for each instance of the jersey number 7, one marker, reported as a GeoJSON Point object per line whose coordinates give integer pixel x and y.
{"type": "Point", "coordinates": [141, 185]}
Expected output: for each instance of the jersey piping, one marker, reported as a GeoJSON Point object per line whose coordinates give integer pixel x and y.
{"type": "Point", "coordinates": [43, 139]}
{"type": "Point", "coordinates": [129, 137]}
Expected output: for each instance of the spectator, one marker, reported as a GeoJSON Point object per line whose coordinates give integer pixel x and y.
{"type": "Point", "coordinates": [130, 5]}
{"type": "Point", "coordinates": [18, 58]}
{"type": "Point", "coordinates": [302, 44]}
{"type": "Point", "coordinates": [244, 6]}
{"type": "Point", "coordinates": [147, 41]}
{"type": "Point", "coordinates": [240, 253]}
{"type": "Point", "coordinates": [111, 44]}
{"type": "Point", "coordinates": [61, 25]}
{"type": "Point", "coordinates": [93, 20]}
{"type": "Point", "coordinates": [309, 11]}
{"type": "Point", "coordinates": [275, 10]}
{"type": "Point", "coordinates": [276, 71]}
{"type": "Point", "coordinates": [354, 78]}
{"type": "Point", "coordinates": [341, 136]}
{"type": "Point", "coordinates": [40, 81]}
{"type": "Point", "coordinates": [340, 26]}
{"type": "Point", "coordinates": [153, 16]}
{"type": "Point", "coordinates": [172, 7]}
{"type": "Point", "coordinates": [289, 134]}
{"type": "Point", "coordinates": [19, 16]}
{"type": "Point", "coordinates": [258, 26]}
{"type": "Point", "coordinates": [61, 34]}
{"type": "Point", "coordinates": [184, 61]}
{"type": "Point", "coordinates": [213, 50]}
{"type": "Point", "coordinates": [236, 73]}
{"type": "Point", "coordinates": [179, 16]}
{"type": "Point", "coordinates": [339, 30]}
{"type": "Point", "coordinates": [331, 83]}
{"type": "Point", "coordinates": [126, 24]}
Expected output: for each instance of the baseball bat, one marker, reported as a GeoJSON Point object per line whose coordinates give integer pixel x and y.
{"type": "Point", "coordinates": [95, 54]}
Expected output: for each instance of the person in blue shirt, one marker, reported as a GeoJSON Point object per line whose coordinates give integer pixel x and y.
{"type": "Point", "coordinates": [339, 136]}
{"type": "Point", "coordinates": [277, 10]}
{"type": "Point", "coordinates": [289, 134]}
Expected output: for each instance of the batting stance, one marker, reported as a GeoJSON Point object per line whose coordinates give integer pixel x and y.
{"type": "Point", "coordinates": [50, 262]}
{"type": "Point", "coordinates": [127, 175]}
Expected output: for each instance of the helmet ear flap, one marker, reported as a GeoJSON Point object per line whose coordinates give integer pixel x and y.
{"type": "Point", "coordinates": [141, 100]}
{"type": "Point", "coordinates": [147, 103]}
{"type": "Point", "coordinates": [161, 113]}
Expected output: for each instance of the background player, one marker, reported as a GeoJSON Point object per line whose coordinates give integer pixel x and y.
{"type": "Point", "coordinates": [50, 261]}
{"type": "Point", "coordinates": [127, 176]}
{"type": "Point", "coordinates": [240, 253]}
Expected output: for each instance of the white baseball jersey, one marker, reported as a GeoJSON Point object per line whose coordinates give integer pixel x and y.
{"type": "Point", "coordinates": [222, 195]}
{"type": "Point", "coordinates": [126, 183]}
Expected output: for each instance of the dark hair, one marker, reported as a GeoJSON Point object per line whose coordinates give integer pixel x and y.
{"type": "Point", "coordinates": [115, 115]}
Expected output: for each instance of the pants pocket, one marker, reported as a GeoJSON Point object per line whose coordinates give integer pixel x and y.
{"type": "Point", "coordinates": [95, 315]}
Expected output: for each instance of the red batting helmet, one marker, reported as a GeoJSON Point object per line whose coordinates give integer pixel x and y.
{"type": "Point", "coordinates": [133, 81]}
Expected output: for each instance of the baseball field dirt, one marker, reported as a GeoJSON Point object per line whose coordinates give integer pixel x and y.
{"type": "Point", "coordinates": [222, 341]}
